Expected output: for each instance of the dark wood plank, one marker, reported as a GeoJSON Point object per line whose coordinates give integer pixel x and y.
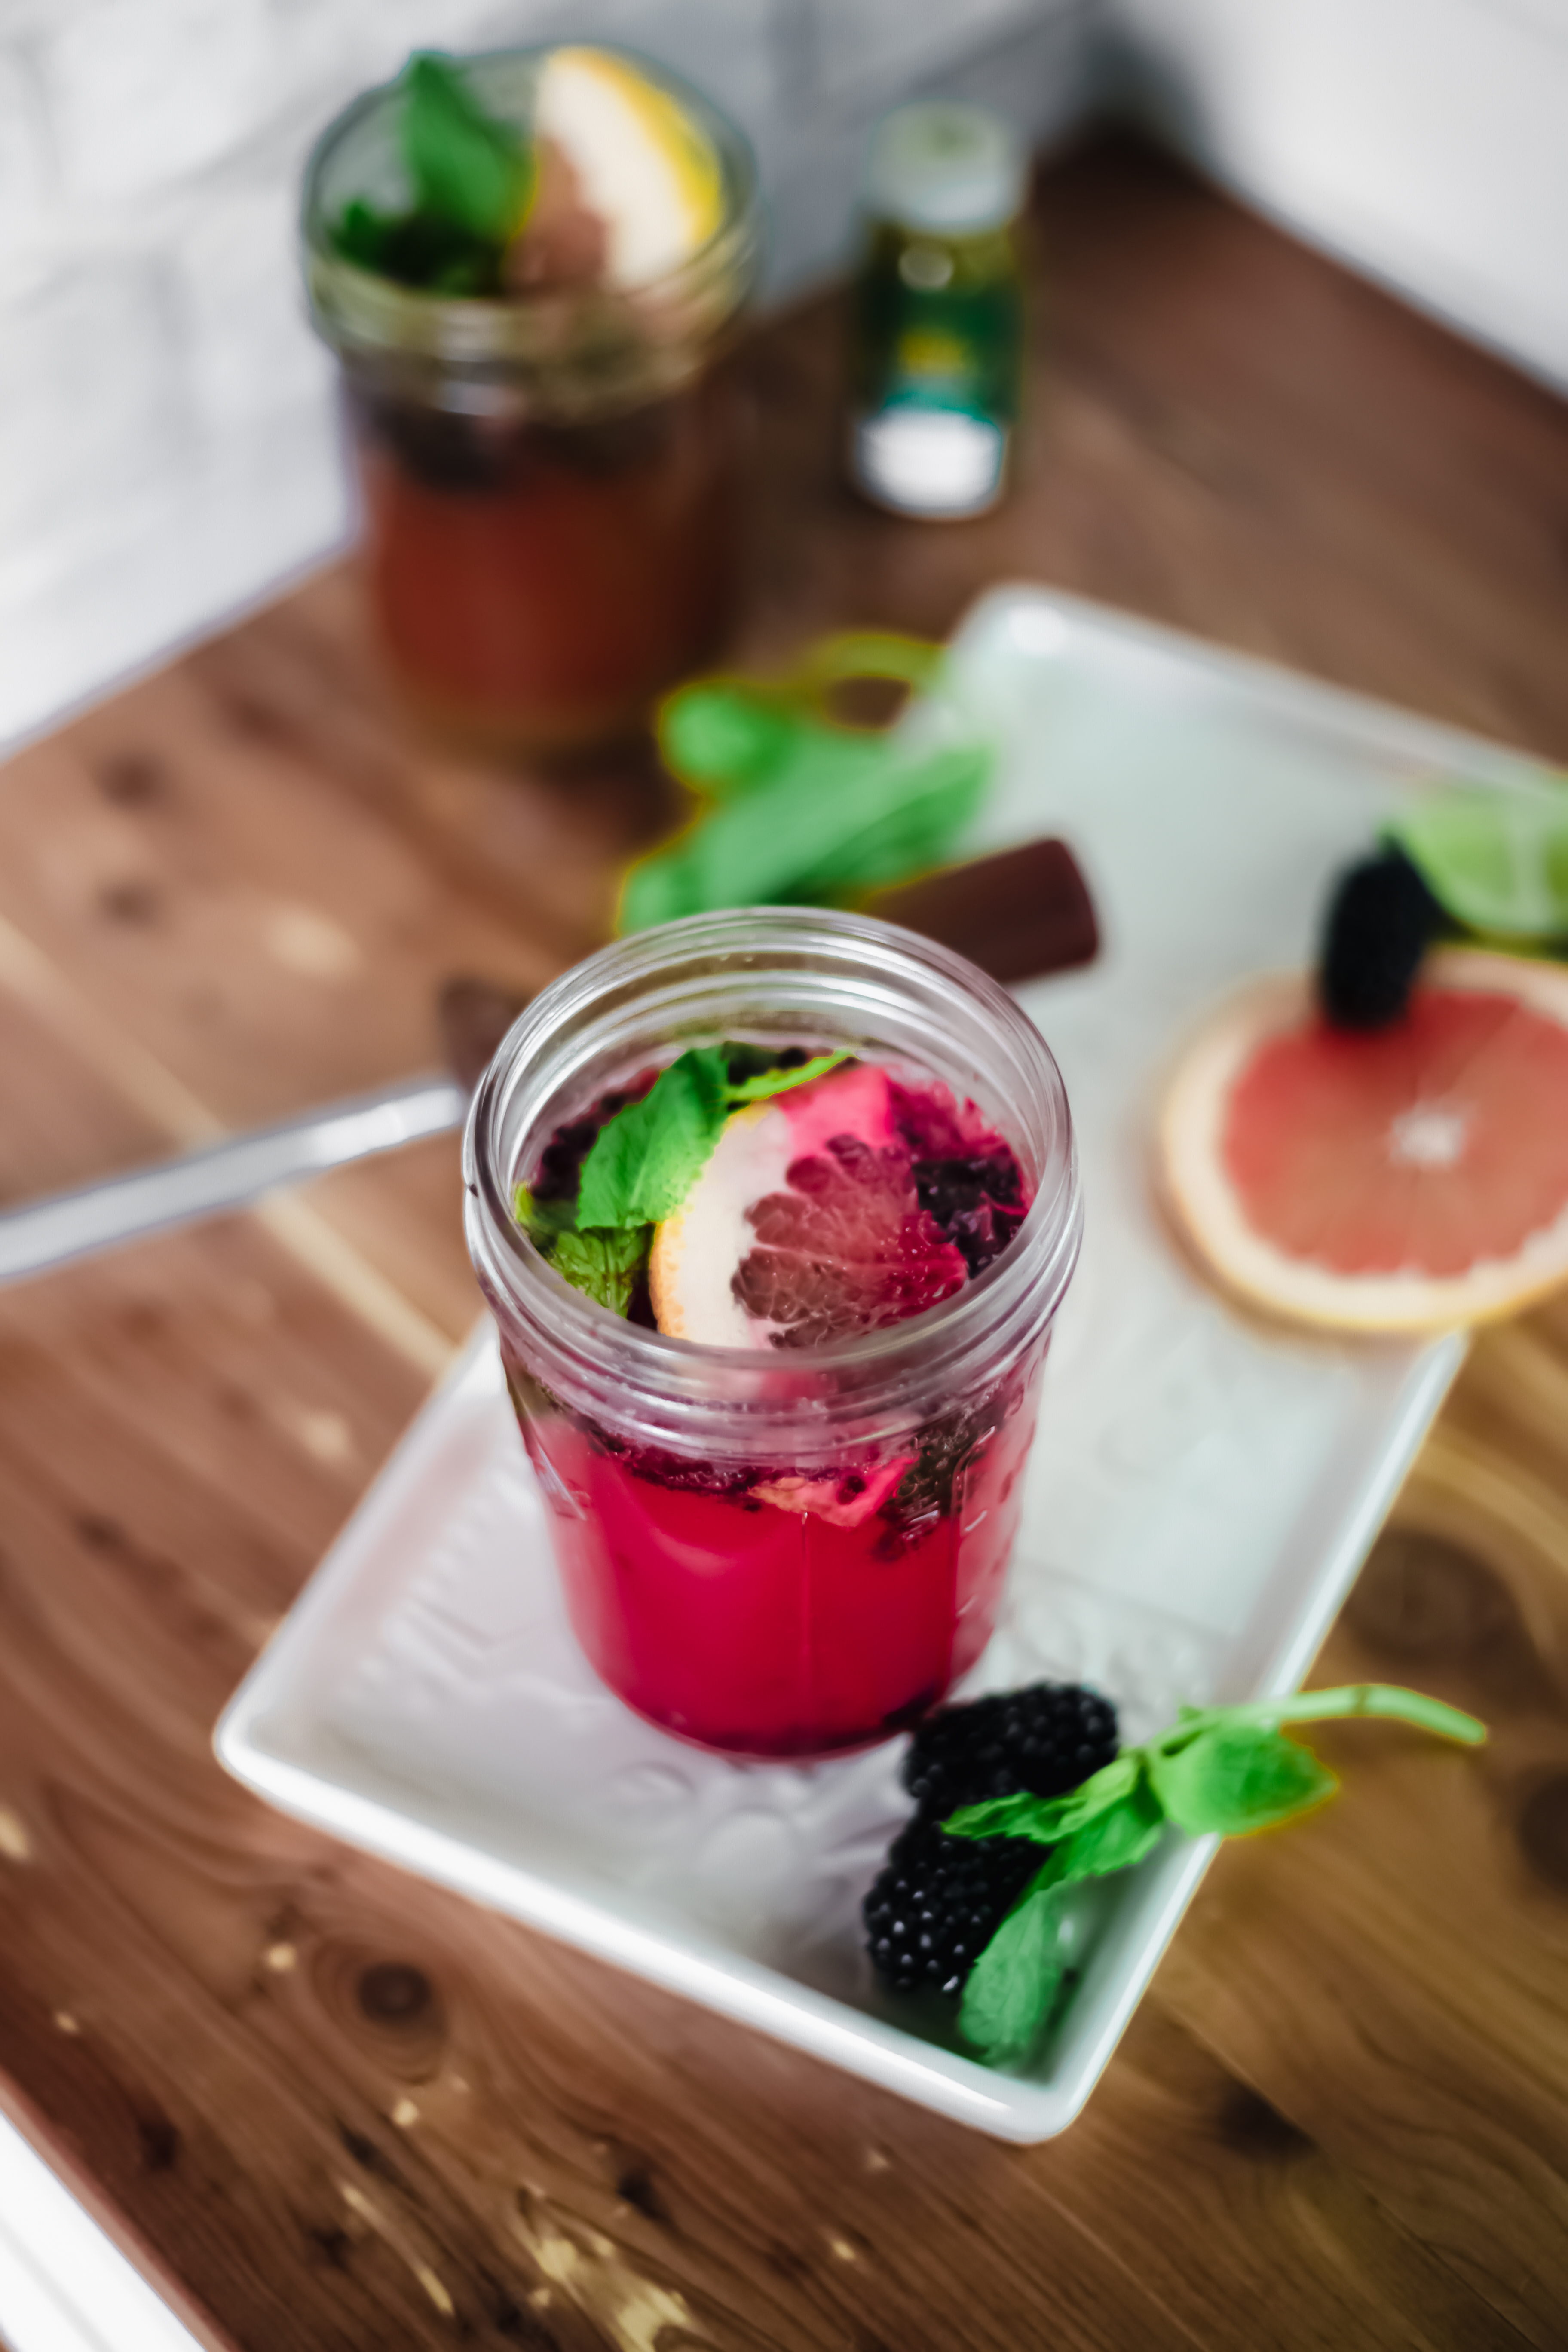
{"type": "Point", "coordinates": [345, 2109]}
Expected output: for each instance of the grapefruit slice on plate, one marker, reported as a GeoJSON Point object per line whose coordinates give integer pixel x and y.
{"type": "Point", "coordinates": [1408, 1178]}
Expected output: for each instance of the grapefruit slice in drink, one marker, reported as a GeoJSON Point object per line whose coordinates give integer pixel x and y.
{"type": "Point", "coordinates": [1410, 1179]}
{"type": "Point", "coordinates": [843, 1206]}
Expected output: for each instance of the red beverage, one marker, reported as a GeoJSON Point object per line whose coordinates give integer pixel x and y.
{"type": "Point", "coordinates": [774, 1632]}
{"type": "Point", "coordinates": [542, 584]}
{"type": "Point", "coordinates": [792, 1543]}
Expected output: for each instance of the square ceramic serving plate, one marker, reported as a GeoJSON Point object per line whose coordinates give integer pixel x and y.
{"type": "Point", "coordinates": [1202, 1492]}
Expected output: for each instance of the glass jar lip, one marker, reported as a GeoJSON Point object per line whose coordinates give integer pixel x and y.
{"type": "Point", "coordinates": [357, 310]}
{"type": "Point", "coordinates": [1051, 1232]}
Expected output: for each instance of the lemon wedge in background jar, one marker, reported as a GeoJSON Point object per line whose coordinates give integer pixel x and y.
{"type": "Point", "coordinates": [640, 163]}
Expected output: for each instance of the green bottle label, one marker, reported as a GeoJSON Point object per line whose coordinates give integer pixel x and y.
{"type": "Point", "coordinates": [938, 364]}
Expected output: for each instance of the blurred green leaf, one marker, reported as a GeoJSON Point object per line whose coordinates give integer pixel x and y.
{"type": "Point", "coordinates": [836, 814]}
{"type": "Point", "coordinates": [1496, 861]}
{"type": "Point", "coordinates": [467, 168]}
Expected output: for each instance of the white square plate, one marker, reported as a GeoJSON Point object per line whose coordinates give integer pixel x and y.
{"type": "Point", "coordinates": [1202, 1493]}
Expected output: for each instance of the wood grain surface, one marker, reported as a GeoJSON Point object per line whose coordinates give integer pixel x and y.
{"type": "Point", "coordinates": [346, 2110]}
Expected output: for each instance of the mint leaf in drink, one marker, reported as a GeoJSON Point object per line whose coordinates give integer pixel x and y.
{"type": "Point", "coordinates": [768, 1082]}
{"type": "Point", "coordinates": [1237, 1776]}
{"type": "Point", "coordinates": [543, 1221]}
{"type": "Point", "coordinates": [604, 1264]}
{"type": "Point", "coordinates": [646, 1160]}
{"type": "Point", "coordinates": [468, 170]}
{"type": "Point", "coordinates": [1013, 1986]}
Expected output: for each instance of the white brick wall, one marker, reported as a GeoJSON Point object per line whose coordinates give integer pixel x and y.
{"type": "Point", "coordinates": [168, 437]}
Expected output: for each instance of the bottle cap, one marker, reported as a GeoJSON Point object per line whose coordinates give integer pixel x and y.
{"type": "Point", "coordinates": [947, 167]}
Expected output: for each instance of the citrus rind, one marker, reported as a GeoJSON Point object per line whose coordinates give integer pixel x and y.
{"type": "Point", "coordinates": [645, 166]}
{"type": "Point", "coordinates": [1210, 1215]}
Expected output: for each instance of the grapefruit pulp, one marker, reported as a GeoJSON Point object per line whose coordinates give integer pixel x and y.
{"type": "Point", "coordinates": [1410, 1179]}
{"type": "Point", "coordinates": [843, 1206]}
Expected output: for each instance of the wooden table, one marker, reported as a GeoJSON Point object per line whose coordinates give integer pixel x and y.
{"type": "Point", "coordinates": [342, 2109]}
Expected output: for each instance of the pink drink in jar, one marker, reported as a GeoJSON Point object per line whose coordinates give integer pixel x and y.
{"type": "Point", "coordinates": [787, 1534]}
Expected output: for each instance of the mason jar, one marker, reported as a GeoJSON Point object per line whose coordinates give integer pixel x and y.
{"type": "Point", "coordinates": [548, 477]}
{"type": "Point", "coordinates": [773, 1551]}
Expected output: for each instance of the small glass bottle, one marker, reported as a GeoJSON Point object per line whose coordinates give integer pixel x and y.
{"type": "Point", "coordinates": [939, 329]}
{"type": "Point", "coordinates": [777, 1552]}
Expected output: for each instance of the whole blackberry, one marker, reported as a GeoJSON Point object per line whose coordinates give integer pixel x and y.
{"type": "Point", "coordinates": [938, 1902]}
{"type": "Point", "coordinates": [1381, 921]}
{"type": "Point", "coordinates": [1041, 1741]}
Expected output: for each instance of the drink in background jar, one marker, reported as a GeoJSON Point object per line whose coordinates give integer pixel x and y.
{"type": "Point", "coordinates": [939, 327]}
{"type": "Point", "coordinates": [545, 430]}
{"type": "Point", "coordinates": [773, 1543]}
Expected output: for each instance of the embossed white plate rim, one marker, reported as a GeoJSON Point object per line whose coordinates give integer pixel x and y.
{"type": "Point", "coordinates": [336, 1790]}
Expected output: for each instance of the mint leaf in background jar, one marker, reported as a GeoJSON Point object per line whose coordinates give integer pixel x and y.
{"type": "Point", "coordinates": [468, 167]}
{"type": "Point", "coordinates": [472, 177]}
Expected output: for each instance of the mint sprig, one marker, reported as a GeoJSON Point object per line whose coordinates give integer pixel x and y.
{"type": "Point", "coordinates": [834, 816]}
{"type": "Point", "coordinates": [473, 179]}
{"type": "Point", "coordinates": [468, 167]}
{"type": "Point", "coordinates": [1217, 1771]}
{"type": "Point", "coordinates": [604, 1265]}
{"type": "Point", "coordinates": [804, 809]}
{"type": "Point", "coordinates": [644, 1160]}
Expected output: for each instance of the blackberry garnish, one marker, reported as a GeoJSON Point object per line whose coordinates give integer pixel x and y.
{"type": "Point", "coordinates": [1040, 1741]}
{"type": "Point", "coordinates": [1381, 919]}
{"type": "Point", "coordinates": [939, 1901]}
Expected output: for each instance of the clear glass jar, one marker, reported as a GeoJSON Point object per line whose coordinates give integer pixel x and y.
{"type": "Point", "coordinates": [775, 1552]}
{"type": "Point", "coordinates": [549, 477]}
